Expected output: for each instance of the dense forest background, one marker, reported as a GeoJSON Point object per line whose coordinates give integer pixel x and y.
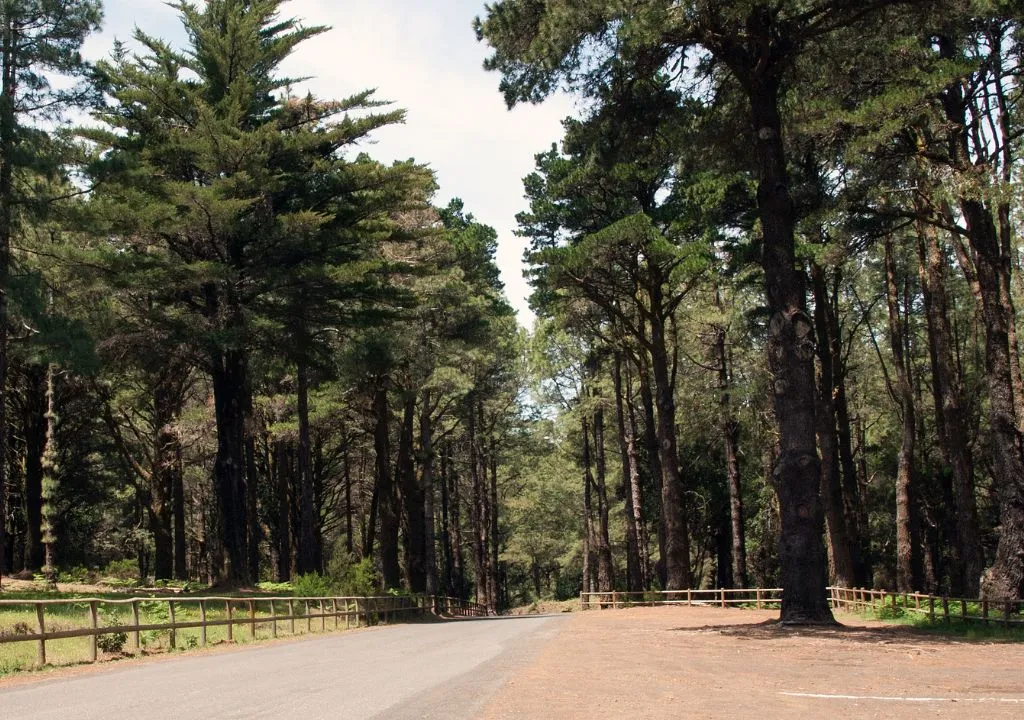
{"type": "Point", "coordinates": [775, 262]}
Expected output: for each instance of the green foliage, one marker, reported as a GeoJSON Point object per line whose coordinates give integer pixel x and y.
{"type": "Point", "coordinates": [112, 643]}
{"type": "Point", "coordinates": [352, 577]}
{"type": "Point", "coordinates": [124, 570]}
{"type": "Point", "coordinates": [313, 585]}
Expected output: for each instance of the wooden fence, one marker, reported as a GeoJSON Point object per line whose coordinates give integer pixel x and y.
{"type": "Point", "coordinates": [722, 597]}
{"type": "Point", "coordinates": [315, 611]}
{"type": "Point", "coordinates": [934, 606]}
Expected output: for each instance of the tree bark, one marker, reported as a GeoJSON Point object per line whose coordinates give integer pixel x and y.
{"type": "Point", "coordinates": [35, 444]}
{"type": "Point", "coordinates": [731, 442]}
{"type": "Point", "coordinates": [654, 460]}
{"type": "Point", "coordinates": [797, 474]}
{"type": "Point", "coordinates": [947, 394]}
{"type": "Point", "coordinates": [412, 497]}
{"type": "Point", "coordinates": [839, 544]}
{"type": "Point", "coordinates": [387, 502]}
{"type": "Point", "coordinates": [229, 383]}
{"type": "Point", "coordinates": [427, 485]}
{"type": "Point", "coordinates": [906, 549]}
{"type": "Point", "coordinates": [477, 508]}
{"type": "Point", "coordinates": [307, 531]}
{"type": "Point", "coordinates": [636, 571]}
{"type": "Point", "coordinates": [605, 569]}
{"type": "Point", "coordinates": [493, 567]}
{"type": "Point", "coordinates": [589, 581]}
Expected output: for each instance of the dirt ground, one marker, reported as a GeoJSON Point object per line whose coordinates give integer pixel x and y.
{"type": "Point", "coordinates": [709, 662]}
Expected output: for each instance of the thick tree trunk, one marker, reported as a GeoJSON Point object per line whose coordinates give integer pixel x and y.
{"type": "Point", "coordinates": [447, 556]}
{"type": "Point", "coordinates": [1005, 579]}
{"type": "Point", "coordinates": [427, 485]}
{"type": "Point", "coordinates": [458, 559]}
{"type": "Point", "coordinates": [589, 580]}
{"type": "Point", "coordinates": [412, 498]}
{"type": "Point", "coordinates": [636, 572]}
{"type": "Point", "coordinates": [229, 384]}
{"type": "Point", "coordinates": [35, 443]}
{"type": "Point", "coordinates": [282, 472]}
{"type": "Point", "coordinates": [493, 567]}
{"type": "Point", "coordinates": [178, 502]}
{"type": "Point", "coordinates": [387, 501]}
{"type": "Point", "coordinates": [347, 479]}
{"type": "Point", "coordinates": [307, 529]}
{"type": "Point", "coordinates": [654, 461]}
{"type": "Point", "coordinates": [838, 535]}
{"type": "Point", "coordinates": [906, 549]}
{"type": "Point", "coordinates": [673, 509]}
{"type": "Point", "coordinates": [966, 560]}
{"type": "Point", "coordinates": [478, 508]}
{"type": "Point", "coordinates": [731, 441]}
{"type": "Point", "coordinates": [605, 569]}
{"type": "Point", "coordinates": [8, 121]}
{"type": "Point", "coordinates": [797, 473]}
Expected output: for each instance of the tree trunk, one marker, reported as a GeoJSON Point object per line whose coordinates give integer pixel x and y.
{"type": "Point", "coordinates": [7, 143]}
{"type": "Point", "coordinates": [966, 561]}
{"type": "Point", "coordinates": [35, 444]}
{"type": "Point", "coordinates": [839, 544]}
{"type": "Point", "coordinates": [412, 497]}
{"type": "Point", "coordinates": [493, 568]}
{"type": "Point", "coordinates": [427, 485]}
{"type": "Point", "coordinates": [906, 549]}
{"type": "Point", "coordinates": [458, 560]}
{"type": "Point", "coordinates": [178, 501]}
{"type": "Point", "coordinates": [588, 514]}
{"type": "Point", "coordinates": [797, 475]}
{"type": "Point", "coordinates": [673, 510]}
{"type": "Point", "coordinates": [731, 441]}
{"type": "Point", "coordinates": [605, 570]}
{"type": "Point", "coordinates": [636, 573]}
{"type": "Point", "coordinates": [229, 383]}
{"type": "Point", "coordinates": [447, 570]}
{"type": "Point", "coordinates": [307, 531]}
{"type": "Point", "coordinates": [654, 460]}
{"type": "Point", "coordinates": [477, 509]}
{"type": "Point", "coordinates": [282, 471]}
{"type": "Point", "coordinates": [387, 501]}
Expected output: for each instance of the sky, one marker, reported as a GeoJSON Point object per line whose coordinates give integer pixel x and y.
{"type": "Point", "coordinates": [424, 56]}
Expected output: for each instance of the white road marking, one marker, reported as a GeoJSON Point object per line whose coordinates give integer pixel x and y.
{"type": "Point", "coordinates": [883, 698]}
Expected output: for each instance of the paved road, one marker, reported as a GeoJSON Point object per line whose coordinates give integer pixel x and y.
{"type": "Point", "coordinates": [440, 670]}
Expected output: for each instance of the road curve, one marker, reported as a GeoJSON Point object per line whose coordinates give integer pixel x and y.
{"type": "Point", "coordinates": [437, 670]}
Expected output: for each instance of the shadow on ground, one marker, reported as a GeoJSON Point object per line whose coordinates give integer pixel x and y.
{"type": "Point", "coordinates": [895, 634]}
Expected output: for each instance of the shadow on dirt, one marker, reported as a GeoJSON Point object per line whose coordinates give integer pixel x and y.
{"type": "Point", "coordinates": [895, 634]}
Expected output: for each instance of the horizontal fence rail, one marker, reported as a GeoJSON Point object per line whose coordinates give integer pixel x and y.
{"type": "Point", "coordinates": [1006, 612]}
{"type": "Point", "coordinates": [227, 612]}
{"type": "Point", "coordinates": [722, 597]}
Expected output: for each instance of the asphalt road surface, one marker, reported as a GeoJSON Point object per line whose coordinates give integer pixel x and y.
{"type": "Point", "coordinates": [439, 670]}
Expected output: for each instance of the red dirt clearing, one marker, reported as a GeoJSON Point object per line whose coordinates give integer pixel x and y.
{"type": "Point", "coordinates": [709, 662]}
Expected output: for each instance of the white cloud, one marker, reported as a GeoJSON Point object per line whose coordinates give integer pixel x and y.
{"type": "Point", "coordinates": [424, 57]}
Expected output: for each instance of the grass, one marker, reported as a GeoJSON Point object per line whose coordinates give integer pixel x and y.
{"type": "Point", "coordinates": [972, 628]}
{"type": "Point", "coordinates": [74, 614]}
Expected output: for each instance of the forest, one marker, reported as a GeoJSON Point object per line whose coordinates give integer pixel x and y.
{"type": "Point", "coordinates": [775, 261]}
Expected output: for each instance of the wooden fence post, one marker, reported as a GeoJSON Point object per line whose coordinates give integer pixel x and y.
{"type": "Point", "coordinates": [334, 611]}
{"type": "Point", "coordinates": [94, 624]}
{"type": "Point", "coordinates": [984, 610]}
{"type": "Point", "coordinates": [323, 616]}
{"type": "Point", "coordinates": [273, 620]}
{"type": "Point", "coordinates": [945, 609]}
{"type": "Point", "coordinates": [202, 619]}
{"type": "Point", "coordinates": [759, 598]}
{"type": "Point", "coordinates": [173, 635]}
{"type": "Point", "coordinates": [41, 626]}
{"type": "Point", "coordinates": [135, 622]}
{"type": "Point", "coordinates": [291, 614]}
{"type": "Point", "coordinates": [252, 619]}
{"type": "Point", "coordinates": [230, 625]}
{"type": "Point", "coordinates": [931, 608]}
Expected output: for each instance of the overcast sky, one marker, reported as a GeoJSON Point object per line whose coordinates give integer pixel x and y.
{"type": "Point", "coordinates": [425, 57]}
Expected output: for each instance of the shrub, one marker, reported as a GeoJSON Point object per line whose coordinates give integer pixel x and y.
{"type": "Point", "coordinates": [112, 643]}
{"type": "Point", "coordinates": [312, 585]}
{"type": "Point", "coordinates": [76, 574]}
{"type": "Point", "coordinates": [351, 577]}
{"type": "Point", "coordinates": [126, 569]}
